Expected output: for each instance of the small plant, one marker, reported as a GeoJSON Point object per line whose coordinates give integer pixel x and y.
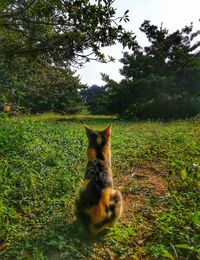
{"type": "Point", "coordinates": [184, 175]}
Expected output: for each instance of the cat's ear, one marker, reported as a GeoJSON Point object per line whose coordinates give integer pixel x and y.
{"type": "Point", "coordinates": [88, 130]}
{"type": "Point", "coordinates": [107, 131]}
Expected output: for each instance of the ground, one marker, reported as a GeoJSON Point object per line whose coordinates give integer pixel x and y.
{"type": "Point", "coordinates": [154, 164]}
{"type": "Point", "coordinates": [139, 185]}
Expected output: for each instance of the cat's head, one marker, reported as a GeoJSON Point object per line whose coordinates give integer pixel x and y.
{"type": "Point", "coordinates": [98, 143]}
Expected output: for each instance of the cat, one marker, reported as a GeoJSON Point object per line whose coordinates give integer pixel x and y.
{"type": "Point", "coordinates": [98, 204]}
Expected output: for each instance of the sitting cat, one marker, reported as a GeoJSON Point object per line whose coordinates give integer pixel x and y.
{"type": "Point", "coordinates": [98, 204]}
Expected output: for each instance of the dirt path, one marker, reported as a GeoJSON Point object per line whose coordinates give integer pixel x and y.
{"type": "Point", "coordinates": [139, 185]}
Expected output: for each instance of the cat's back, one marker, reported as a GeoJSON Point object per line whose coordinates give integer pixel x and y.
{"type": "Point", "coordinates": [97, 178]}
{"type": "Point", "coordinates": [99, 172]}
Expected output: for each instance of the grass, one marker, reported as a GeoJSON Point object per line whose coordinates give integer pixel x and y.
{"type": "Point", "coordinates": [156, 165]}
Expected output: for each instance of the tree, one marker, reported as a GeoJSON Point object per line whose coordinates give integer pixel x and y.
{"type": "Point", "coordinates": [161, 80]}
{"type": "Point", "coordinates": [61, 32]}
{"type": "Point", "coordinates": [57, 34]}
{"type": "Point", "coordinates": [95, 97]}
{"type": "Point", "coordinates": [40, 87]}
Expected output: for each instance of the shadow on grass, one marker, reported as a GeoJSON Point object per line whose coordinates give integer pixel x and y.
{"type": "Point", "coordinates": [72, 242]}
{"type": "Point", "coordinates": [58, 237]}
{"type": "Point", "coordinates": [62, 241]}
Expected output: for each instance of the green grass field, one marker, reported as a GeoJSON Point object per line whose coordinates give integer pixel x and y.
{"type": "Point", "coordinates": [156, 166]}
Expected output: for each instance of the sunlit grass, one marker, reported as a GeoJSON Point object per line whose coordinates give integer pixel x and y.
{"type": "Point", "coordinates": [42, 162]}
{"type": "Point", "coordinates": [54, 117]}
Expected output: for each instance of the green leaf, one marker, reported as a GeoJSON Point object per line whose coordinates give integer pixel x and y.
{"type": "Point", "coordinates": [184, 174]}
{"type": "Point", "coordinates": [183, 246]}
{"type": "Point", "coordinates": [167, 254]}
{"type": "Point", "coordinates": [196, 218]}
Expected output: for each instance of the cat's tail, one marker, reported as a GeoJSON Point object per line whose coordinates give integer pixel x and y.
{"type": "Point", "coordinates": [107, 212]}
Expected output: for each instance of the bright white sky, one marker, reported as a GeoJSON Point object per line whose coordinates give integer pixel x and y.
{"type": "Point", "coordinates": [174, 14]}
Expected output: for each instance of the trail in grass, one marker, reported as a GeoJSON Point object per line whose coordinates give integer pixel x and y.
{"type": "Point", "coordinates": [140, 185]}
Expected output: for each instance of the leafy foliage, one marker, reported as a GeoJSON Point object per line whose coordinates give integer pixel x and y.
{"type": "Point", "coordinates": [38, 87]}
{"type": "Point", "coordinates": [41, 40]}
{"type": "Point", "coordinates": [60, 31]}
{"type": "Point", "coordinates": [161, 80]}
{"type": "Point", "coordinates": [94, 97]}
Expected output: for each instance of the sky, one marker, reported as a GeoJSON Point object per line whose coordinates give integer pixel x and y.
{"type": "Point", "coordinates": [174, 14]}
